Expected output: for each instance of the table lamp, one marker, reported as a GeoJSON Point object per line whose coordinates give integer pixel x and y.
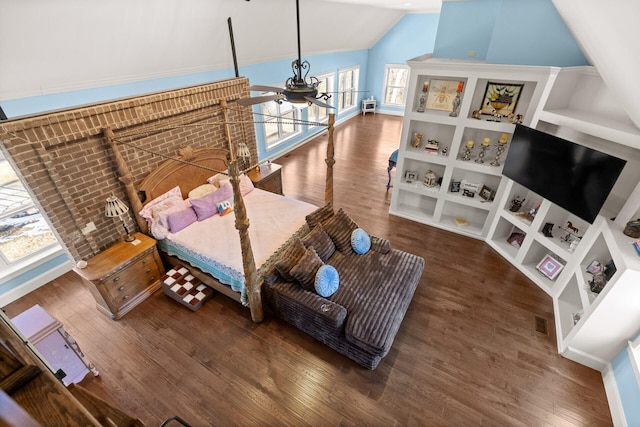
{"type": "Point", "coordinates": [116, 208]}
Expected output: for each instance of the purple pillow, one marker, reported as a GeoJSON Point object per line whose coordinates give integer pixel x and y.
{"type": "Point", "coordinates": [207, 206]}
{"type": "Point", "coordinates": [179, 220]}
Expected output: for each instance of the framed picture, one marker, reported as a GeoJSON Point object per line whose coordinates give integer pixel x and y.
{"type": "Point", "coordinates": [595, 267]}
{"type": "Point", "coordinates": [411, 176]}
{"type": "Point", "coordinates": [550, 267]}
{"type": "Point", "coordinates": [486, 193]}
{"type": "Point", "coordinates": [455, 186]}
{"type": "Point", "coordinates": [500, 98]}
{"type": "Point", "coordinates": [442, 93]}
{"type": "Point", "coordinates": [468, 193]}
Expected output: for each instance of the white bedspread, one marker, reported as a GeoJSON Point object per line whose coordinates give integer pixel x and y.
{"type": "Point", "coordinates": [273, 219]}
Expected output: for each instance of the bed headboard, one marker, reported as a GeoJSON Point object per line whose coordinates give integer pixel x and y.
{"type": "Point", "coordinates": [171, 173]}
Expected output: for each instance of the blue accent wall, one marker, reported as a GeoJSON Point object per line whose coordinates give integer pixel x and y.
{"type": "Point", "coordinates": [627, 387]}
{"type": "Point", "coordinates": [516, 32]}
{"type": "Point", "coordinates": [412, 36]}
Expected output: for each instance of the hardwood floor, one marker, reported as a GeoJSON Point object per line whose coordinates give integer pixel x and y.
{"type": "Point", "coordinates": [467, 353]}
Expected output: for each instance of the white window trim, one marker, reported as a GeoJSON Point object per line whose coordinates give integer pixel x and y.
{"type": "Point", "coordinates": [384, 85]}
{"type": "Point", "coordinates": [355, 89]}
{"type": "Point", "coordinates": [271, 146]}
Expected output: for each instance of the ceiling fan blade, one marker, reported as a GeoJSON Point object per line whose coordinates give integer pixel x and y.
{"type": "Point", "coordinates": [318, 102]}
{"type": "Point", "coordinates": [259, 99]}
{"type": "Point", "coordinates": [259, 88]}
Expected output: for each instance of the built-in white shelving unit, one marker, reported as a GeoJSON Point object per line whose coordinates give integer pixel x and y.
{"type": "Point", "coordinates": [591, 327]}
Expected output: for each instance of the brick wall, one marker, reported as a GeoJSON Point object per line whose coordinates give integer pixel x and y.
{"type": "Point", "coordinates": [70, 169]}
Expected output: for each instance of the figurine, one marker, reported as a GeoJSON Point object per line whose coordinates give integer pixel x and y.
{"type": "Point", "coordinates": [417, 140]}
{"type": "Point", "coordinates": [516, 204]}
{"type": "Point", "coordinates": [429, 179]}
{"type": "Point", "coordinates": [456, 105]}
{"type": "Point", "coordinates": [476, 114]}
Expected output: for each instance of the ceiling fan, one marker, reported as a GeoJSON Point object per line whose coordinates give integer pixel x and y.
{"type": "Point", "coordinates": [298, 89]}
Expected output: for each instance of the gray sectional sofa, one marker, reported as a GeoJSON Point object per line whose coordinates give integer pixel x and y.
{"type": "Point", "coordinates": [360, 320]}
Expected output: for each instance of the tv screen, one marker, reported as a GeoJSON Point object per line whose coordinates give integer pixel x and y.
{"type": "Point", "coordinates": [569, 175]}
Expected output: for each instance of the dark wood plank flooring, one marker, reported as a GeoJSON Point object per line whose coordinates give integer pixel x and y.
{"type": "Point", "coordinates": [467, 354]}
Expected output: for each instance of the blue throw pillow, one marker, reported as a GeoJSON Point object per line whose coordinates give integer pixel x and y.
{"type": "Point", "coordinates": [360, 241]}
{"type": "Point", "coordinates": [327, 281]}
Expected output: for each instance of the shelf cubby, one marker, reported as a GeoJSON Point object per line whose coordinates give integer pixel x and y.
{"type": "Point", "coordinates": [474, 177]}
{"type": "Point", "coordinates": [416, 206]}
{"type": "Point", "coordinates": [477, 135]}
{"type": "Point", "coordinates": [568, 304]}
{"type": "Point", "coordinates": [440, 132]}
{"type": "Point", "coordinates": [534, 256]}
{"type": "Point", "coordinates": [435, 89]}
{"type": "Point", "coordinates": [420, 168]}
{"type": "Point", "coordinates": [476, 217]}
{"type": "Point", "coordinates": [504, 231]}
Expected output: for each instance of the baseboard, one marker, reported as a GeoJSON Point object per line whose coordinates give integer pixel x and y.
{"type": "Point", "coordinates": [615, 404]}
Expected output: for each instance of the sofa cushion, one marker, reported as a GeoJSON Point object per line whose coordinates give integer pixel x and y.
{"type": "Point", "coordinates": [321, 242]}
{"type": "Point", "coordinates": [319, 216]}
{"type": "Point", "coordinates": [289, 259]}
{"type": "Point", "coordinates": [360, 241]}
{"type": "Point", "coordinates": [306, 268]}
{"type": "Point", "coordinates": [376, 290]}
{"type": "Point", "coordinates": [327, 281]}
{"type": "Point", "coordinates": [339, 227]}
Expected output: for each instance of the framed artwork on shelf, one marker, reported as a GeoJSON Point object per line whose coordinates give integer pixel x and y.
{"type": "Point", "coordinates": [442, 93]}
{"type": "Point", "coordinates": [410, 176]}
{"type": "Point", "coordinates": [487, 193]}
{"type": "Point", "coordinates": [501, 98]}
{"type": "Point", "coordinates": [550, 267]}
{"type": "Point", "coordinates": [455, 186]}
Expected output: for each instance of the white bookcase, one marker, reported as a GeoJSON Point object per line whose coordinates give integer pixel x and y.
{"type": "Point", "coordinates": [572, 103]}
{"type": "Point", "coordinates": [440, 206]}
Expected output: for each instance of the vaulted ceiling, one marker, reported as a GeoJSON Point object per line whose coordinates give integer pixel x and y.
{"type": "Point", "coordinates": [50, 46]}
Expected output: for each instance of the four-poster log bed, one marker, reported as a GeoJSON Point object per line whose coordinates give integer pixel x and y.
{"type": "Point", "coordinates": [193, 168]}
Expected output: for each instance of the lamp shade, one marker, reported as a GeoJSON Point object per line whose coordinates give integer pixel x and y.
{"type": "Point", "coordinates": [115, 207]}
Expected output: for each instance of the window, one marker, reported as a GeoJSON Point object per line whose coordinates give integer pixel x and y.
{"type": "Point", "coordinates": [320, 114]}
{"type": "Point", "coordinates": [395, 84]}
{"type": "Point", "coordinates": [280, 121]}
{"type": "Point", "coordinates": [347, 87]}
{"type": "Point", "coordinates": [24, 233]}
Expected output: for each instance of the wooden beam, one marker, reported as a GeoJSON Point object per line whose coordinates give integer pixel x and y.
{"type": "Point", "coordinates": [330, 161]}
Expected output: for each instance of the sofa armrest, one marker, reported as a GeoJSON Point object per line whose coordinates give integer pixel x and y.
{"type": "Point", "coordinates": [380, 244]}
{"type": "Point", "coordinates": [304, 309]}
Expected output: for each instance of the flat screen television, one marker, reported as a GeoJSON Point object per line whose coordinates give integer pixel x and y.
{"type": "Point", "coordinates": [570, 175]}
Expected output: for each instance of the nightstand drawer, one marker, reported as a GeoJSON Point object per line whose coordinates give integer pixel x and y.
{"type": "Point", "coordinates": [268, 177]}
{"type": "Point", "coordinates": [132, 280]}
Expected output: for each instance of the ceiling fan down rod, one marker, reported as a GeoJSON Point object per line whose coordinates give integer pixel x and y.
{"type": "Point", "coordinates": [299, 54]}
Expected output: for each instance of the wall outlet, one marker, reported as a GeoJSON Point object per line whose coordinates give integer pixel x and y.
{"type": "Point", "coordinates": [472, 53]}
{"type": "Point", "coordinates": [89, 228]}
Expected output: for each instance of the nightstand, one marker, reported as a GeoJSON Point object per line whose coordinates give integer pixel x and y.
{"type": "Point", "coordinates": [368, 105]}
{"type": "Point", "coordinates": [123, 275]}
{"type": "Point", "coordinates": [269, 178]}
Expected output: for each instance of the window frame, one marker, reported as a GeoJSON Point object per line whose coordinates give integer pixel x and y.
{"type": "Point", "coordinates": [386, 85]}
{"type": "Point", "coordinates": [352, 89]}
{"type": "Point", "coordinates": [330, 86]}
{"type": "Point", "coordinates": [269, 118]}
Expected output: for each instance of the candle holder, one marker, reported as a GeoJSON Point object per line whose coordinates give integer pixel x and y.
{"type": "Point", "coordinates": [499, 151]}
{"type": "Point", "coordinates": [483, 149]}
{"type": "Point", "coordinates": [467, 154]}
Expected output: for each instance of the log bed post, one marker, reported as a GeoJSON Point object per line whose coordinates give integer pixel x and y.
{"type": "Point", "coordinates": [126, 178]}
{"type": "Point", "coordinates": [330, 161]}
{"type": "Point", "coordinates": [251, 285]}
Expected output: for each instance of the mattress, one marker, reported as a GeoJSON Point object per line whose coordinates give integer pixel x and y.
{"type": "Point", "coordinates": [213, 245]}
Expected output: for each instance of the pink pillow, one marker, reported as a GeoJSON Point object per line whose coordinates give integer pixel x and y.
{"type": "Point", "coordinates": [181, 219]}
{"type": "Point", "coordinates": [147, 211]}
{"type": "Point", "coordinates": [246, 185]}
{"type": "Point", "coordinates": [208, 205]}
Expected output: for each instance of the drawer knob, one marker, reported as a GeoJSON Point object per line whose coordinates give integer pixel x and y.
{"type": "Point", "coordinates": [117, 279]}
{"type": "Point", "coordinates": [148, 270]}
{"type": "Point", "coordinates": [125, 297]}
{"type": "Point", "coordinates": [152, 279]}
{"type": "Point", "coordinates": [121, 288]}
{"type": "Point", "coordinates": [144, 261]}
